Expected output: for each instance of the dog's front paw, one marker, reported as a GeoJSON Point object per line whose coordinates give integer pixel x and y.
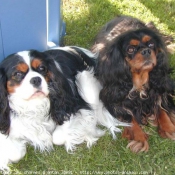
{"type": "Point", "coordinates": [11, 150]}
{"type": "Point", "coordinates": [138, 146]}
{"type": "Point", "coordinates": [166, 126]}
{"type": "Point", "coordinates": [165, 134]}
{"type": "Point", "coordinates": [137, 138]}
{"type": "Point", "coordinates": [4, 161]}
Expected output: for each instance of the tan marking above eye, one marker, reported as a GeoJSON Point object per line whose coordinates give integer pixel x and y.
{"type": "Point", "coordinates": [134, 42]}
{"type": "Point", "coordinates": [36, 63]}
{"type": "Point", "coordinates": [22, 67]}
{"type": "Point", "coordinates": [146, 38]}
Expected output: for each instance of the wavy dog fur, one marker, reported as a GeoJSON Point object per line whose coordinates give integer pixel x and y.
{"type": "Point", "coordinates": [135, 76]}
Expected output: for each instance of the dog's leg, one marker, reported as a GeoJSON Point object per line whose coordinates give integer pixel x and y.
{"type": "Point", "coordinates": [11, 150]}
{"type": "Point", "coordinates": [166, 127]}
{"type": "Point", "coordinates": [137, 138]}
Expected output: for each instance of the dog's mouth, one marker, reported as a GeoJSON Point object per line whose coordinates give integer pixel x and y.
{"type": "Point", "coordinates": [38, 94]}
{"type": "Point", "coordinates": [142, 63]}
{"type": "Point", "coordinates": [148, 64]}
{"type": "Point", "coordinates": [150, 61]}
{"type": "Point", "coordinates": [145, 66]}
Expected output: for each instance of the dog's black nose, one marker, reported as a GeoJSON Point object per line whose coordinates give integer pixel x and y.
{"type": "Point", "coordinates": [36, 81]}
{"type": "Point", "coordinates": [146, 52]}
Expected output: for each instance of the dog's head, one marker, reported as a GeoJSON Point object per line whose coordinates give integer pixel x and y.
{"type": "Point", "coordinates": [131, 57]}
{"type": "Point", "coordinates": [140, 51]}
{"type": "Point", "coordinates": [26, 75]}
{"type": "Point", "coordinates": [24, 78]}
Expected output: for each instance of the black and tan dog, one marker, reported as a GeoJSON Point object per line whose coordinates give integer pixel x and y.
{"type": "Point", "coordinates": [133, 70]}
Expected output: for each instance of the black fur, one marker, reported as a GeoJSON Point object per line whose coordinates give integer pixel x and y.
{"type": "Point", "coordinates": [7, 66]}
{"type": "Point", "coordinates": [114, 73]}
{"type": "Point", "coordinates": [65, 99]}
{"type": "Point", "coordinates": [4, 105]}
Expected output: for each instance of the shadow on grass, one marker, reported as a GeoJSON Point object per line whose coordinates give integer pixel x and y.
{"type": "Point", "coordinates": [82, 30]}
{"type": "Point", "coordinates": [88, 24]}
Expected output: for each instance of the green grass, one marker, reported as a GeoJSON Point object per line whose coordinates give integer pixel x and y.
{"type": "Point", "coordinates": [83, 20]}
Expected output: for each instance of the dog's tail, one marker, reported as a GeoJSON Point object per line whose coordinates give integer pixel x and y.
{"type": "Point", "coordinates": [88, 57]}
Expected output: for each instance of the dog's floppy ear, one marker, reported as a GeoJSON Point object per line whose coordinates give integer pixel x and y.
{"type": "Point", "coordinates": [60, 95]}
{"type": "Point", "coordinates": [4, 104]}
{"type": "Point", "coordinates": [159, 76]}
{"type": "Point", "coordinates": [111, 65]}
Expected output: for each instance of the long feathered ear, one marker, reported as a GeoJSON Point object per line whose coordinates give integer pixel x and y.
{"type": "Point", "coordinates": [160, 75]}
{"type": "Point", "coordinates": [111, 66]}
{"type": "Point", "coordinates": [114, 74]}
{"type": "Point", "coordinates": [58, 97]}
{"type": "Point", "coordinates": [4, 105]}
{"type": "Point", "coordinates": [64, 98]}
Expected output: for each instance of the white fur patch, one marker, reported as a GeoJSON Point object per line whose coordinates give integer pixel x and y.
{"type": "Point", "coordinates": [79, 129]}
{"type": "Point", "coordinates": [89, 88]}
{"type": "Point", "coordinates": [25, 56]}
{"type": "Point", "coordinates": [11, 150]}
{"type": "Point", "coordinates": [30, 123]}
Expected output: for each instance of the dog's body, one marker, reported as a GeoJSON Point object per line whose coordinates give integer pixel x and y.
{"type": "Point", "coordinates": [133, 70]}
{"type": "Point", "coordinates": [45, 99]}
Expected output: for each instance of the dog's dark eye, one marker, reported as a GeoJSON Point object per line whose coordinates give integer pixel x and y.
{"type": "Point", "coordinates": [151, 45]}
{"type": "Point", "coordinates": [18, 76]}
{"type": "Point", "coordinates": [42, 69]}
{"type": "Point", "coordinates": [131, 49]}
